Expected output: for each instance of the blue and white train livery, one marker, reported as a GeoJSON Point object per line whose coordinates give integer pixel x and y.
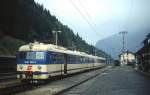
{"type": "Point", "coordinates": [37, 61]}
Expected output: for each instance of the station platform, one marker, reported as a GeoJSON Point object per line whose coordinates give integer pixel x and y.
{"type": "Point", "coordinates": [59, 86]}
{"type": "Point", "coordinates": [122, 80]}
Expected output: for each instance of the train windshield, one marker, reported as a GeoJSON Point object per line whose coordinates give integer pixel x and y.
{"type": "Point", "coordinates": [31, 55]}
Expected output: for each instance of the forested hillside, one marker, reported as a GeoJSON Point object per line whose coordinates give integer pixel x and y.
{"type": "Point", "coordinates": [26, 21]}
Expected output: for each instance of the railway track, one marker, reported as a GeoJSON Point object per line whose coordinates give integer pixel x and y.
{"type": "Point", "coordinates": [7, 76]}
{"type": "Point", "coordinates": [16, 86]}
{"type": "Point", "coordinates": [9, 84]}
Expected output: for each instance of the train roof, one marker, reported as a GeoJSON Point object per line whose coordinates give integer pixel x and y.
{"type": "Point", "coordinates": [36, 46]}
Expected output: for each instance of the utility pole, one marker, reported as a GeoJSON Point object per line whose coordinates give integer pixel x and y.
{"type": "Point", "coordinates": [123, 33]}
{"type": "Point", "coordinates": [56, 36]}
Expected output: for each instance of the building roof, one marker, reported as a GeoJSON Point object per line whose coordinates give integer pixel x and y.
{"type": "Point", "coordinates": [126, 52]}
{"type": "Point", "coordinates": [143, 49]}
{"type": "Point", "coordinates": [146, 45]}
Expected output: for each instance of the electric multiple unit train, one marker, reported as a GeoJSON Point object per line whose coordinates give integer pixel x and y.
{"type": "Point", "coordinates": [39, 61]}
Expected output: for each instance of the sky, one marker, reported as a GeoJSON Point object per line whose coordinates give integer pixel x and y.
{"type": "Point", "coordinates": [94, 20]}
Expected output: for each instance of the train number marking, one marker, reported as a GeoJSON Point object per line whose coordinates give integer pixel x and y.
{"type": "Point", "coordinates": [29, 68]}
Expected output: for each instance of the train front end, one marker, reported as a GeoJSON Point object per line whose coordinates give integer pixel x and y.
{"type": "Point", "coordinates": [32, 64]}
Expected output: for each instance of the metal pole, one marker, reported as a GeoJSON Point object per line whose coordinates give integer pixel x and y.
{"type": "Point", "coordinates": [123, 42]}
{"type": "Point", "coordinates": [56, 38]}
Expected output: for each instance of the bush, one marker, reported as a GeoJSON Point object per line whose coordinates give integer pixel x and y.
{"type": "Point", "coordinates": [9, 45]}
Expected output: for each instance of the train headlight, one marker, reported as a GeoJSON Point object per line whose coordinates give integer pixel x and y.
{"type": "Point", "coordinates": [18, 76]}
{"type": "Point", "coordinates": [23, 76]}
{"type": "Point", "coordinates": [39, 67]}
{"type": "Point", "coordinates": [21, 67]}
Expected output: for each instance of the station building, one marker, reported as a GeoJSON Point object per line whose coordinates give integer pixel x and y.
{"type": "Point", "coordinates": [127, 57]}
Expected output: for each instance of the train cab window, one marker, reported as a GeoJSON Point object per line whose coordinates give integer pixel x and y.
{"type": "Point", "coordinates": [39, 55]}
{"type": "Point", "coordinates": [35, 55]}
{"type": "Point", "coordinates": [30, 55]}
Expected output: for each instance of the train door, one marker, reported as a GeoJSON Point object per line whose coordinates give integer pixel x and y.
{"type": "Point", "coordinates": [65, 63]}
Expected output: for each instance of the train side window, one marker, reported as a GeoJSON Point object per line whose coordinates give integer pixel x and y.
{"type": "Point", "coordinates": [75, 59]}
{"type": "Point", "coordinates": [54, 58]}
{"type": "Point", "coordinates": [61, 59]}
{"type": "Point", "coordinates": [80, 59]}
{"type": "Point", "coordinates": [89, 60]}
{"type": "Point", "coordinates": [71, 59]}
{"type": "Point", "coordinates": [68, 59]}
{"type": "Point", "coordinates": [50, 56]}
{"type": "Point", "coordinates": [57, 58]}
{"type": "Point", "coordinates": [84, 60]}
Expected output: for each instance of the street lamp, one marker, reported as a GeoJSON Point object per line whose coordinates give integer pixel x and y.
{"type": "Point", "coordinates": [56, 36]}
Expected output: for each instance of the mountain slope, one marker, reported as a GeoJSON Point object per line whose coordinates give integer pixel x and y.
{"type": "Point", "coordinates": [113, 44]}
{"type": "Point", "coordinates": [24, 21]}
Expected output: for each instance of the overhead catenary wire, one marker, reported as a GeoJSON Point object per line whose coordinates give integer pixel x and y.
{"type": "Point", "coordinates": [84, 17]}
{"type": "Point", "coordinates": [88, 15]}
{"type": "Point", "coordinates": [70, 23]}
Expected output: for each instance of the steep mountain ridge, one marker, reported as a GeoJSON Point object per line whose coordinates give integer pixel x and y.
{"type": "Point", "coordinates": [113, 44]}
